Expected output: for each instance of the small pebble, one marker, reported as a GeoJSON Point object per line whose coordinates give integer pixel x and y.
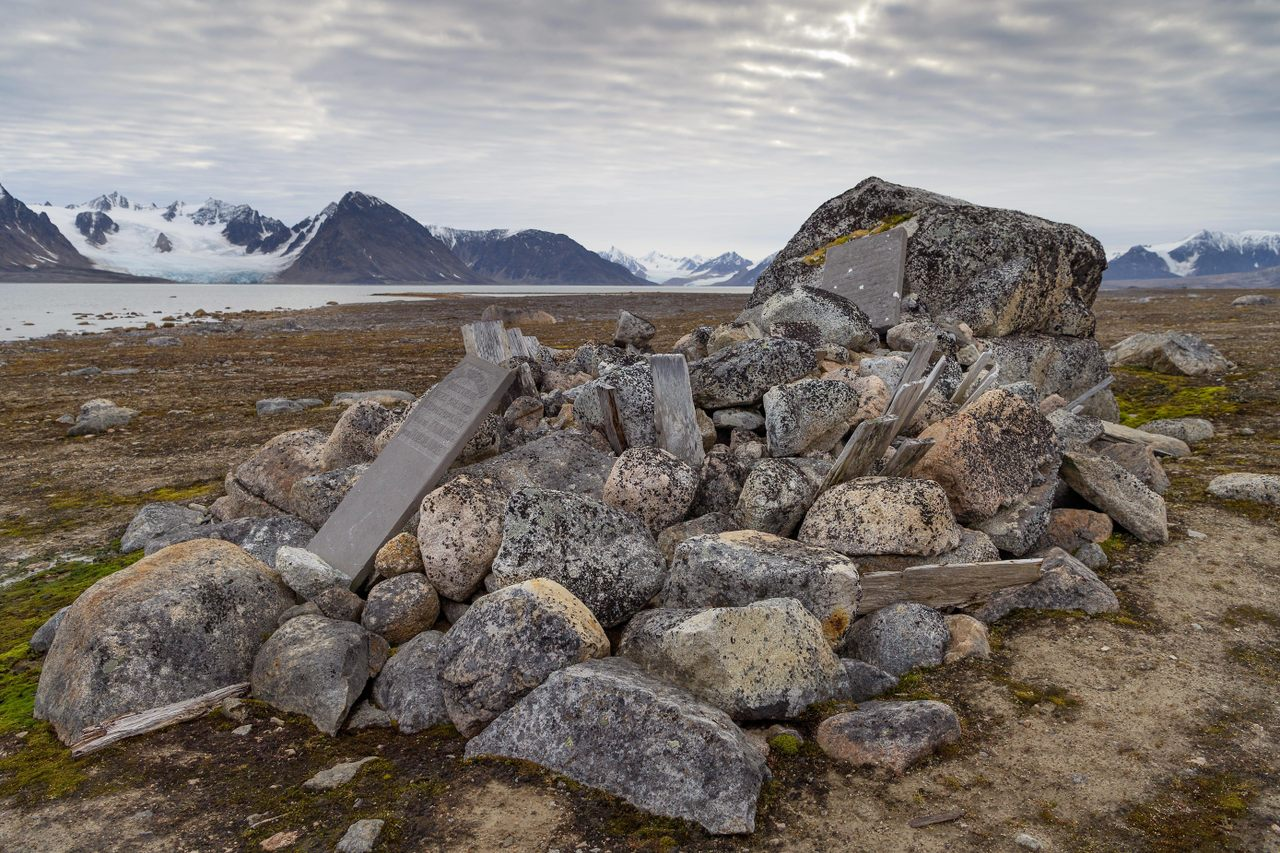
{"type": "Point", "coordinates": [1029, 842]}
{"type": "Point", "coordinates": [1104, 648]}
{"type": "Point", "coordinates": [1196, 534]}
{"type": "Point", "coordinates": [242, 730]}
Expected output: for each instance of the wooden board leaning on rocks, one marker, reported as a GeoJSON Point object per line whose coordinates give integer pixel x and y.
{"type": "Point", "coordinates": [387, 495]}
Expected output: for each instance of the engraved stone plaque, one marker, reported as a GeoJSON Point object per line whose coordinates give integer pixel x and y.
{"type": "Point", "coordinates": [868, 272]}
{"type": "Point", "coordinates": [389, 492]}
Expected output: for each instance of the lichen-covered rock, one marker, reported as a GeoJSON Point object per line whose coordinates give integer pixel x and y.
{"type": "Point", "coordinates": [882, 515]}
{"type": "Point", "coordinates": [409, 687]}
{"type": "Point", "coordinates": [238, 503]}
{"type": "Point", "coordinates": [261, 537]}
{"type": "Point", "coordinates": [1240, 486]}
{"type": "Point", "coordinates": [633, 330]}
{"type": "Point", "coordinates": [1191, 430]}
{"type": "Point", "coordinates": [1057, 364]}
{"type": "Point", "coordinates": [141, 637]}
{"type": "Point", "coordinates": [1119, 494]}
{"type": "Point", "coordinates": [748, 419]}
{"type": "Point", "coordinates": [1139, 460]}
{"type": "Point", "coordinates": [767, 660]}
{"type": "Point", "coordinates": [604, 556]}
{"type": "Point", "coordinates": [1065, 584]}
{"type": "Point", "coordinates": [1017, 528]}
{"type": "Point", "coordinates": [42, 639]}
{"type": "Point", "coordinates": [652, 484]}
{"type": "Point", "coordinates": [633, 395]}
{"type": "Point", "coordinates": [739, 375]}
{"type": "Point", "coordinates": [338, 602]}
{"type": "Point", "coordinates": [459, 533]}
{"type": "Point", "coordinates": [898, 638]}
{"type": "Point", "coordinates": [607, 724]}
{"type": "Point", "coordinates": [269, 474]}
{"type": "Point", "coordinates": [1252, 299]}
{"type": "Point", "coordinates": [809, 415]}
{"type": "Point", "coordinates": [719, 482]}
{"type": "Point", "coordinates": [313, 666]}
{"type": "Point", "coordinates": [564, 461]}
{"type": "Point", "coordinates": [837, 320]}
{"type": "Point", "coordinates": [508, 643]}
{"type": "Point", "coordinates": [401, 555]}
{"type": "Point", "coordinates": [1075, 432]}
{"type": "Point", "coordinates": [155, 521]}
{"type": "Point", "coordinates": [988, 455]}
{"type": "Point", "coordinates": [401, 608]}
{"type": "Point", "coordinates": [305, 573]}
{"type": "Point", "coordinates": [1176, 353]}
{"type": "Point", "coordinates": [693, 346]}
{"type": "Point", "coordinates": [713, 522]}
{"type": "Point", "coordinates": [99, 416]}
{"type": "Point", "coordinates": [523, 413]}
{"type": "Point", "coordinates": [864, 681]}
{"type": "Point", "coordinates": [774, 497]}
{"type": "Point", "coordinates": [352, 439]}
{"type": "Point", "coordinates": [968, 638]}
{"type": "Point", "coordinates": [975, 547]}
{"type": "Point", "coordinates": [893, 735]}
{"type": "Point", "coordinates": [314, 498]}
{"type": "Point", "coordinates": [999, 271]}
{"type": "Point", "coordinates": [1162, 445]}
{"type": "Point", "coordinates": [1070, 528]}
{"type": "Point", "coordinates": [727, 334]}
{"type": "Point", "coordinates": [742, 567]}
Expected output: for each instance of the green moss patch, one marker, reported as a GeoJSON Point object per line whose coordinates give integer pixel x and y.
{"type": "Point", "coordinates": [1196, 813]}
{"type": "Point", "coordinates": [1145, 395]}
{"type": "Point", "coordinates": [818, 256]}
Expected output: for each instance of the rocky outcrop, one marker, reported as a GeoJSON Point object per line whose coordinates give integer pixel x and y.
{"type": "Point", "coordinates": [1000, 271]}
{"type": "Point", "coordinates": [609, 725]}
{"type": "Point", "coordinates": [140, 638]}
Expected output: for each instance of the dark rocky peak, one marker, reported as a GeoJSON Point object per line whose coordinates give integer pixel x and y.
{"type": "Point", "coordinates": [30, 240]}
{"type": "Point", "coordinates": [172, 211]}
{"type": "Point", "coordinates": [111, 201]}
{"type": "Point", "coordinates": [163, 244]}
{"type": "Point", "coordinates": [95, 226]}
{"type": "Point", "coordinates": [243, 226]}
{"type": "Point", "coordinates": [726, 264]}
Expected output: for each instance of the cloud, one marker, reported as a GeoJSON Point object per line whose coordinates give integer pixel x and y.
{"type": "Point", "coordinates": [688, 125]}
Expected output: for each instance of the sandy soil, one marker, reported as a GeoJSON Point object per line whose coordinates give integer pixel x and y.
{"type": "Point", "coordinates": [1153, 729]}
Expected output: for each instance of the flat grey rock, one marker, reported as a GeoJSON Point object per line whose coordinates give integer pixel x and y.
{"type": "Point", "coordinates": [1065, 584]}
{"type": "Point", "coordinates": [313, 666]}
{"type": "Point", "coordinates": [1177, 353]}
{"type": "Point", "coordinates": [261, 537]}
{"type": "Point", "coordinates": [1241, 486]}
{"type": "Point", "coordinates": [835, 316]}
{"type": "Point", "coordinates": [156, 520]}
{"type": "Point", "coordinates": [360, 837]}
{"type": "Point", "coordinates": [739, 375]}
{"type": "Point", "coordinates": [1191, 430]}
{"type": "Point", "coordinates": [305, 573]}
{"type": "Point", "coordinates": [335, 776]}
{"type": "Point", "coordinates": [892, 735]}
{"type": "Point", "coordinates": [563, 461]}
{"type": "Point", "coordinates": [1119, 494]}
{"type": "Point", "coordinates": [607, 724]}
{"type": "Point", "coordinates": [98, 416]}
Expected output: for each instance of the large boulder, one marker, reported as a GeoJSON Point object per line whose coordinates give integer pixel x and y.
{"type": "Point", "coordinates": [892, 735]}
{"type": "Point", "coordinates": [739, 375]}
{"type": "Point", "coordinates": [1119, 494]}
{"type": "Point", "coordinates": [607, 724]}
{"type": "Point", "coordinates": [899, 638]}
{"type": "Point", "coordinates": [409, 689]}
{"type": "Point", "coordinates": [1240, 486]}
{"type": "Point", "coordinates": [157, 521]}
{"type": "Point", "coordinates": [882, 515]}
{"type": "Point", "coordinates": [173, 626]}
{"type": "Point", "coordinates": [564, 461]}
{"type": "Point", "coordinates": [742, 567]}
{"type": "Point", "coordinates": [1176, 353]}
{"type": "Point", "coordinates": [1000, 271]}
{"type": "Point", "coordinates": [1191, 430]}
{"type": "Point", "coordinates": [809, 415]}
{"type": "Point", "coordinates": [400, 608]}
{"type": "Point", "coordinates": [653, 485]}
{"type": "Point", "coordinates": [353, 436]}
{"type": "Point", "coordinates": [633, 397]}
{"type": "Point", "coordinates": [269, 474]}
{"type": "Point", "coordinates": [314, 498]}
{"type": "Point", "coordinates": [1056, 364]}
{"type": "Point", "coordinates": [633, 331]}
{"type": "Point", "coordinates": [316, 667]}
{"type": "Point", "coordinates": [604, 556]}
{"type": "Point", "coordinates": [837, 320]}
{"type": "Point", "coordinates": [1017, 528]}
{"type": "Point", "coordinates": [99, 416]}
{"type": "Point", "coordinates": [460, 531]}
{"type": "Point", "coordinates": [774, 496]}
{"type": "Point", "coordinates": [1139, 460]}
{"type": "Point", "coordinates": [719, 482]}
{"type": "Point", "coordinates": [768, 660]}
{"type": "Point", "coordinates": [507, 644]}
{"type": "Point", "coordinates": [261, 537]}
{"type": "Point", "coordinates": [989, 454]}
{"type": "Point", "coordinates": [1065, 584]}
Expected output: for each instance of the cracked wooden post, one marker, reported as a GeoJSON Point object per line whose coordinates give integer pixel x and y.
{"type": "Point", "coordinates": [674, 414]}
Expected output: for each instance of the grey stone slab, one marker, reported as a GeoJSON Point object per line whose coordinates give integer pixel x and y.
{"type": "Point", "coordinates": [868, 272]}
{"type": "Point", "coordinates": [387, 495]}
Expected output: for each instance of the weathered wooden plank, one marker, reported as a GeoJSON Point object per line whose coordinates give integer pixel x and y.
{"type": "Point", "coordinates": [613, 431]}
{"type": "Point", "coordinates": [911, 451]}
{"type": "Point", "coordinates": [860, 451]}
{"type": "Point", "coordinates": [987, 383]}
{"type": "Point", "coordinates": [945, 586]}
{"type": "Point", "coordinates": [153, 719]}
{"type": "Point", "coordinates": [1166, 445]}
{"type": "Point", "coordinates": [925, 388]}
{"type": "Point", "coordinates": [486, 339]}
{"type": "Point", "coordinates": [673, 411]}
{"type": "Point", "coordinates": [1078, 403]}
{"type": "Point", "coordinates": [972, 375]}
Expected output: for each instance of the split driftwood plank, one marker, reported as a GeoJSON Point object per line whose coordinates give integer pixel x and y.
{"type": "Point", "coordinates": [486, 339]}
{"type": "Point", "coordinates": [1077, 404]}
{"type": "Point", "coordinates": [971, 376]}
{"type": "Point", "coordinates": [945, 586]}
{"type": "Point", "coordinates": [860, 451]}
{"type": "Point", "coordinates": [911, 451]}
{"type": "Point", "coordinates": [673, 412]}
{"type": "Point", "coordinates": [984, 386]}
{"type": "Point", "coordinates": [613, 431]}
{"type": "Point", "coordinates": [142, 722]}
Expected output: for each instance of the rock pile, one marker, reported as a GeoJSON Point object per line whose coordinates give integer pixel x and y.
{"type": "Point", "coordinates": [621, 617]}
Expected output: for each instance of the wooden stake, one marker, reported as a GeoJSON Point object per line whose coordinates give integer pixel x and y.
{"type": "Point", "coordinates": [983, 387]}
{"type": "Point", "coordinates": [945, 586]}
{"type": "Point", "coordinates": [613, 430]}
{"type": "Point", "coordinates": [673, 411]}
{"type": "Point", "coordinates": [971, 375]}
{"type": "Point", "coordinates": [911, 451]}
{"type": "Point", "coordinates": [864, 447]}
{"type": "Point", "coordinates": [1077, 404]}
{"type": "Point", "coordinates": [142, 722]}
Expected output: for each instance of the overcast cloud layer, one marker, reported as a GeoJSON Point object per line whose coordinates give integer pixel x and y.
{"type": "Point", "coordinates": [691, 126]}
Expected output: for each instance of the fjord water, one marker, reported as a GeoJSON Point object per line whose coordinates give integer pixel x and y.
{"type": "Point", "coordinates": [39, 309]}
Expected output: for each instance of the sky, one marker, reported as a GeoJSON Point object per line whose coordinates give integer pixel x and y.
{"type": "Point", "coordinates": [689, 126]}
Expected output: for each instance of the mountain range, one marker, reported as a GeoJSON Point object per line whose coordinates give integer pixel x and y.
{"type": "Point", "coordinates": [357, 240]}
{"type": "Point", "coordinates": [1205, 253]}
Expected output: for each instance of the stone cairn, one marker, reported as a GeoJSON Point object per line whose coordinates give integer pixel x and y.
{"type": "Point", "coordinates": [639, 562]}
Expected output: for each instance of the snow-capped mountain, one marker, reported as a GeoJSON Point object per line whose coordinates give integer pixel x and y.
{"type": "Point", "coordinates": [614, 255]}
{"type": "Point", "coordinates": [717, 270]}
{"type": "Point", "coordinates": [1201, 254]}
{"type": "Point", "coordinates": [662, 268]}
{"type": "Point", "coordinates": [531, 256]}
{"type": "Point", "coordinates": [214, 241]}
{"type": "Point", "coordinates": [748, 276]}
{"type": "Point", "coordinates": [30, 240]}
